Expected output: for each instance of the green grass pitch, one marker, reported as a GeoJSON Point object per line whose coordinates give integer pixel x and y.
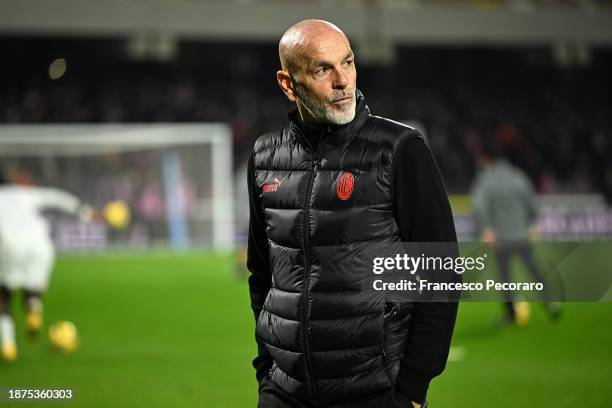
{"type": "Point", "coordinates": [177, 331]}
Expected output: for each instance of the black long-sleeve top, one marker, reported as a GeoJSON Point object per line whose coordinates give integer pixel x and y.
{"type": "Point", "coordinates": [423, 214]}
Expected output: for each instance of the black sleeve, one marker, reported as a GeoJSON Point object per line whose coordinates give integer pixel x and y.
{"type": "Point", "coordinates": [260, 279]}
{"type": "Point", "coordinates": [423, 213]}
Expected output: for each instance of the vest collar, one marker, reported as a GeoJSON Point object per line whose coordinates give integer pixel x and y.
{"type": "Point", "coordinates": [338, 132]}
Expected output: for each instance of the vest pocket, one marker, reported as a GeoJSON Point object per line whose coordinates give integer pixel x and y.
{"type": "Point", "coordinates": [396, 328]}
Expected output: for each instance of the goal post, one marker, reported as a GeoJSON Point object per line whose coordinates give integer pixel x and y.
{"type": "Point", "coordinates": [172, 182]}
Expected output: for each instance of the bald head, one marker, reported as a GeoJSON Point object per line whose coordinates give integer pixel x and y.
{"type": "Point", "coordinates": [318, 72]}
{"type": "Point", "coordinates": [302, 37]}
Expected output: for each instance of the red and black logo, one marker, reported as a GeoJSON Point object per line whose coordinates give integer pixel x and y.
{"type": "Point", "coordinates": [344, 186]}
{"type": "Point", "coordinates": [271, 187]}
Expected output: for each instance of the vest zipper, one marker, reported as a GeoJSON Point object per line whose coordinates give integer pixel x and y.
{"type": "Point", "coordinates": [306, 228]}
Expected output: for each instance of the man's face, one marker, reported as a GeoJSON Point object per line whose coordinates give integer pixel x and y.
{"type": "Point", "coordinates": [325, 85]}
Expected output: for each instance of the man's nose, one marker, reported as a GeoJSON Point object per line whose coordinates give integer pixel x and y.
{"type": "Point", "coordinates": [340, 79]}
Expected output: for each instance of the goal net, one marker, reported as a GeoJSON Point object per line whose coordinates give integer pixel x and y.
{"type": "Point", "coordinates": [153, 185]}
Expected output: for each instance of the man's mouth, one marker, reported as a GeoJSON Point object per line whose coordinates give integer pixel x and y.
{"type": "Point", "coordinates": [344, 99]}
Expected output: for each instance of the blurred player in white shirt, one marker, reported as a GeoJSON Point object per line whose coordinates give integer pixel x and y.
{"type": "Point", "coordinates": [27, 253]}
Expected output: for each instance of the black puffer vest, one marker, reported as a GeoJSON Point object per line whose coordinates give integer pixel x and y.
{"type": "Point", "coordinates": [331, 342]}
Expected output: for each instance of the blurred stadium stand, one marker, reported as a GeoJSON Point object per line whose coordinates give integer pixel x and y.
{"type": "Point", "coordinates": [535, 74]}
{"type": "Point", "coordinates": [557, 119]}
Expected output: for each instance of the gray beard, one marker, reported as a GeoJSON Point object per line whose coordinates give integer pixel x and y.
{"type": "Point", "coordinates": [323, 111]}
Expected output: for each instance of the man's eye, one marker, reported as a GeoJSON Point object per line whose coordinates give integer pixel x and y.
{"type": "Point", "coordinates": [348, 62]}
{"type": "Point", "coordinates": [321, 71]}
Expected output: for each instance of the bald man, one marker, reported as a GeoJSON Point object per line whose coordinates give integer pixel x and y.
{"type": "Point", "coordinates": [323, 190]}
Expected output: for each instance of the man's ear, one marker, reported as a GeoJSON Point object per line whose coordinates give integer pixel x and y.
{"type": "Point", "coordinates": [286, 84]}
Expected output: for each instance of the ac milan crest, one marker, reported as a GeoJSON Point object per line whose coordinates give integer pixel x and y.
{"type": "Point", "coordinates": [344, 186]}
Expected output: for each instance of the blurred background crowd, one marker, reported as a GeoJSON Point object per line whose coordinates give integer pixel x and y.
{"type": "Point", "coordinates": [555, 119]}
{"type": "Point", "coordinates": [532, 75]}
